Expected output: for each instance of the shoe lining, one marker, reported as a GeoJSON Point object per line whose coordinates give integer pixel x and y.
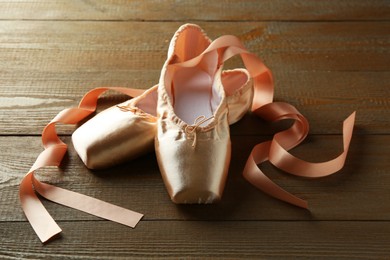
{"type": "Point", "coordinates": [192, 94]}
{"type": "Point", "coordinates": [148, 104]}
{"type": "Point", "coordinates": [233, 80]}
{"type": "Point", "coordinates": [195, 91]}
{"type": "Point", "coordinates": [191, 88]}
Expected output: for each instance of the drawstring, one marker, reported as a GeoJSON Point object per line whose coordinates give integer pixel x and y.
{"type": "Point", "coordinates": [191, 129]}
{"type": "Point", "coordinates": [134, 110]}
{"type": "Point", "coordinates": [126, 108]}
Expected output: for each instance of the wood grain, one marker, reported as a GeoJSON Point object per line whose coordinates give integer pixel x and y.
{"type": "Point", "coordinates": [228, 10]}
{"type": "Point", "coordinates": [203, 239]}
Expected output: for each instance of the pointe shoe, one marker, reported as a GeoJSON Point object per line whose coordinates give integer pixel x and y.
{"type": "Point", "coordinates": [119, 133]}
{"type": "Point", "coordinates": [193, 139]}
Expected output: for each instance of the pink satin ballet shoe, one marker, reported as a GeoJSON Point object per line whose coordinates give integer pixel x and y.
{"type": "Point", "coordinates": [119, 133]}
{"type": "Point", "coordinates": [193, 140]}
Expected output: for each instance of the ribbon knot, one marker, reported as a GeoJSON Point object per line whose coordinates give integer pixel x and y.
{"type": "Point", "coordinates": [190, 130]}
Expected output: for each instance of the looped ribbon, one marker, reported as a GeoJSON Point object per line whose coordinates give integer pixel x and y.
{"type": "Point", "coordinates": [274, 151]}
{"type": "Point", "coordinates": [41, 221]}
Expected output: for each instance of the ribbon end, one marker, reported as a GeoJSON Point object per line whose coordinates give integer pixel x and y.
{"type": "Point", "coordinates": [296, 201]}
{"type": "Point", "coordinates": [351, 118]}
{"type": "Point", "coordinates": [304, 205]}
{"type": "Point", "coordinates": [136, 218]}
{"type": "Point", "coordinates": [53, 234]}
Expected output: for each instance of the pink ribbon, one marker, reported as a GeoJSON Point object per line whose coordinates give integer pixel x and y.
{"type": "Point", "coordinates": [275, 151]}
{"type": "Point", "coordinates": [41, 221]}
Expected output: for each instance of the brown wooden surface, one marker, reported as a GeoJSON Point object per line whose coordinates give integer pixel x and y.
{"type": "Point", "coordinates": [328, 58]}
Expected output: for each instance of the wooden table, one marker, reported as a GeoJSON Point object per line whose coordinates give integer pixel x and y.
{"type": "Point", "coordinates": [328, 58]}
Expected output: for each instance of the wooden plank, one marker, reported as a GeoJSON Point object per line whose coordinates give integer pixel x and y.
{"type": "Point", "coordinates": [230, 10]}
{"type": "Point", "coordinates": [203, 239]}
{"type": "Point", "coordinates": [354, 193]}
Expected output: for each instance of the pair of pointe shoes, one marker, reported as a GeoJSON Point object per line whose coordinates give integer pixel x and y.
{"type": "Point", "coordinates": [186, 117]}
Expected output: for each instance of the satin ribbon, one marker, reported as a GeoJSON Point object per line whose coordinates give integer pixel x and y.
{"type": "Point", "coordinates": [40, 220]}
{"type": "Point", "coordinates": [276, 150]}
